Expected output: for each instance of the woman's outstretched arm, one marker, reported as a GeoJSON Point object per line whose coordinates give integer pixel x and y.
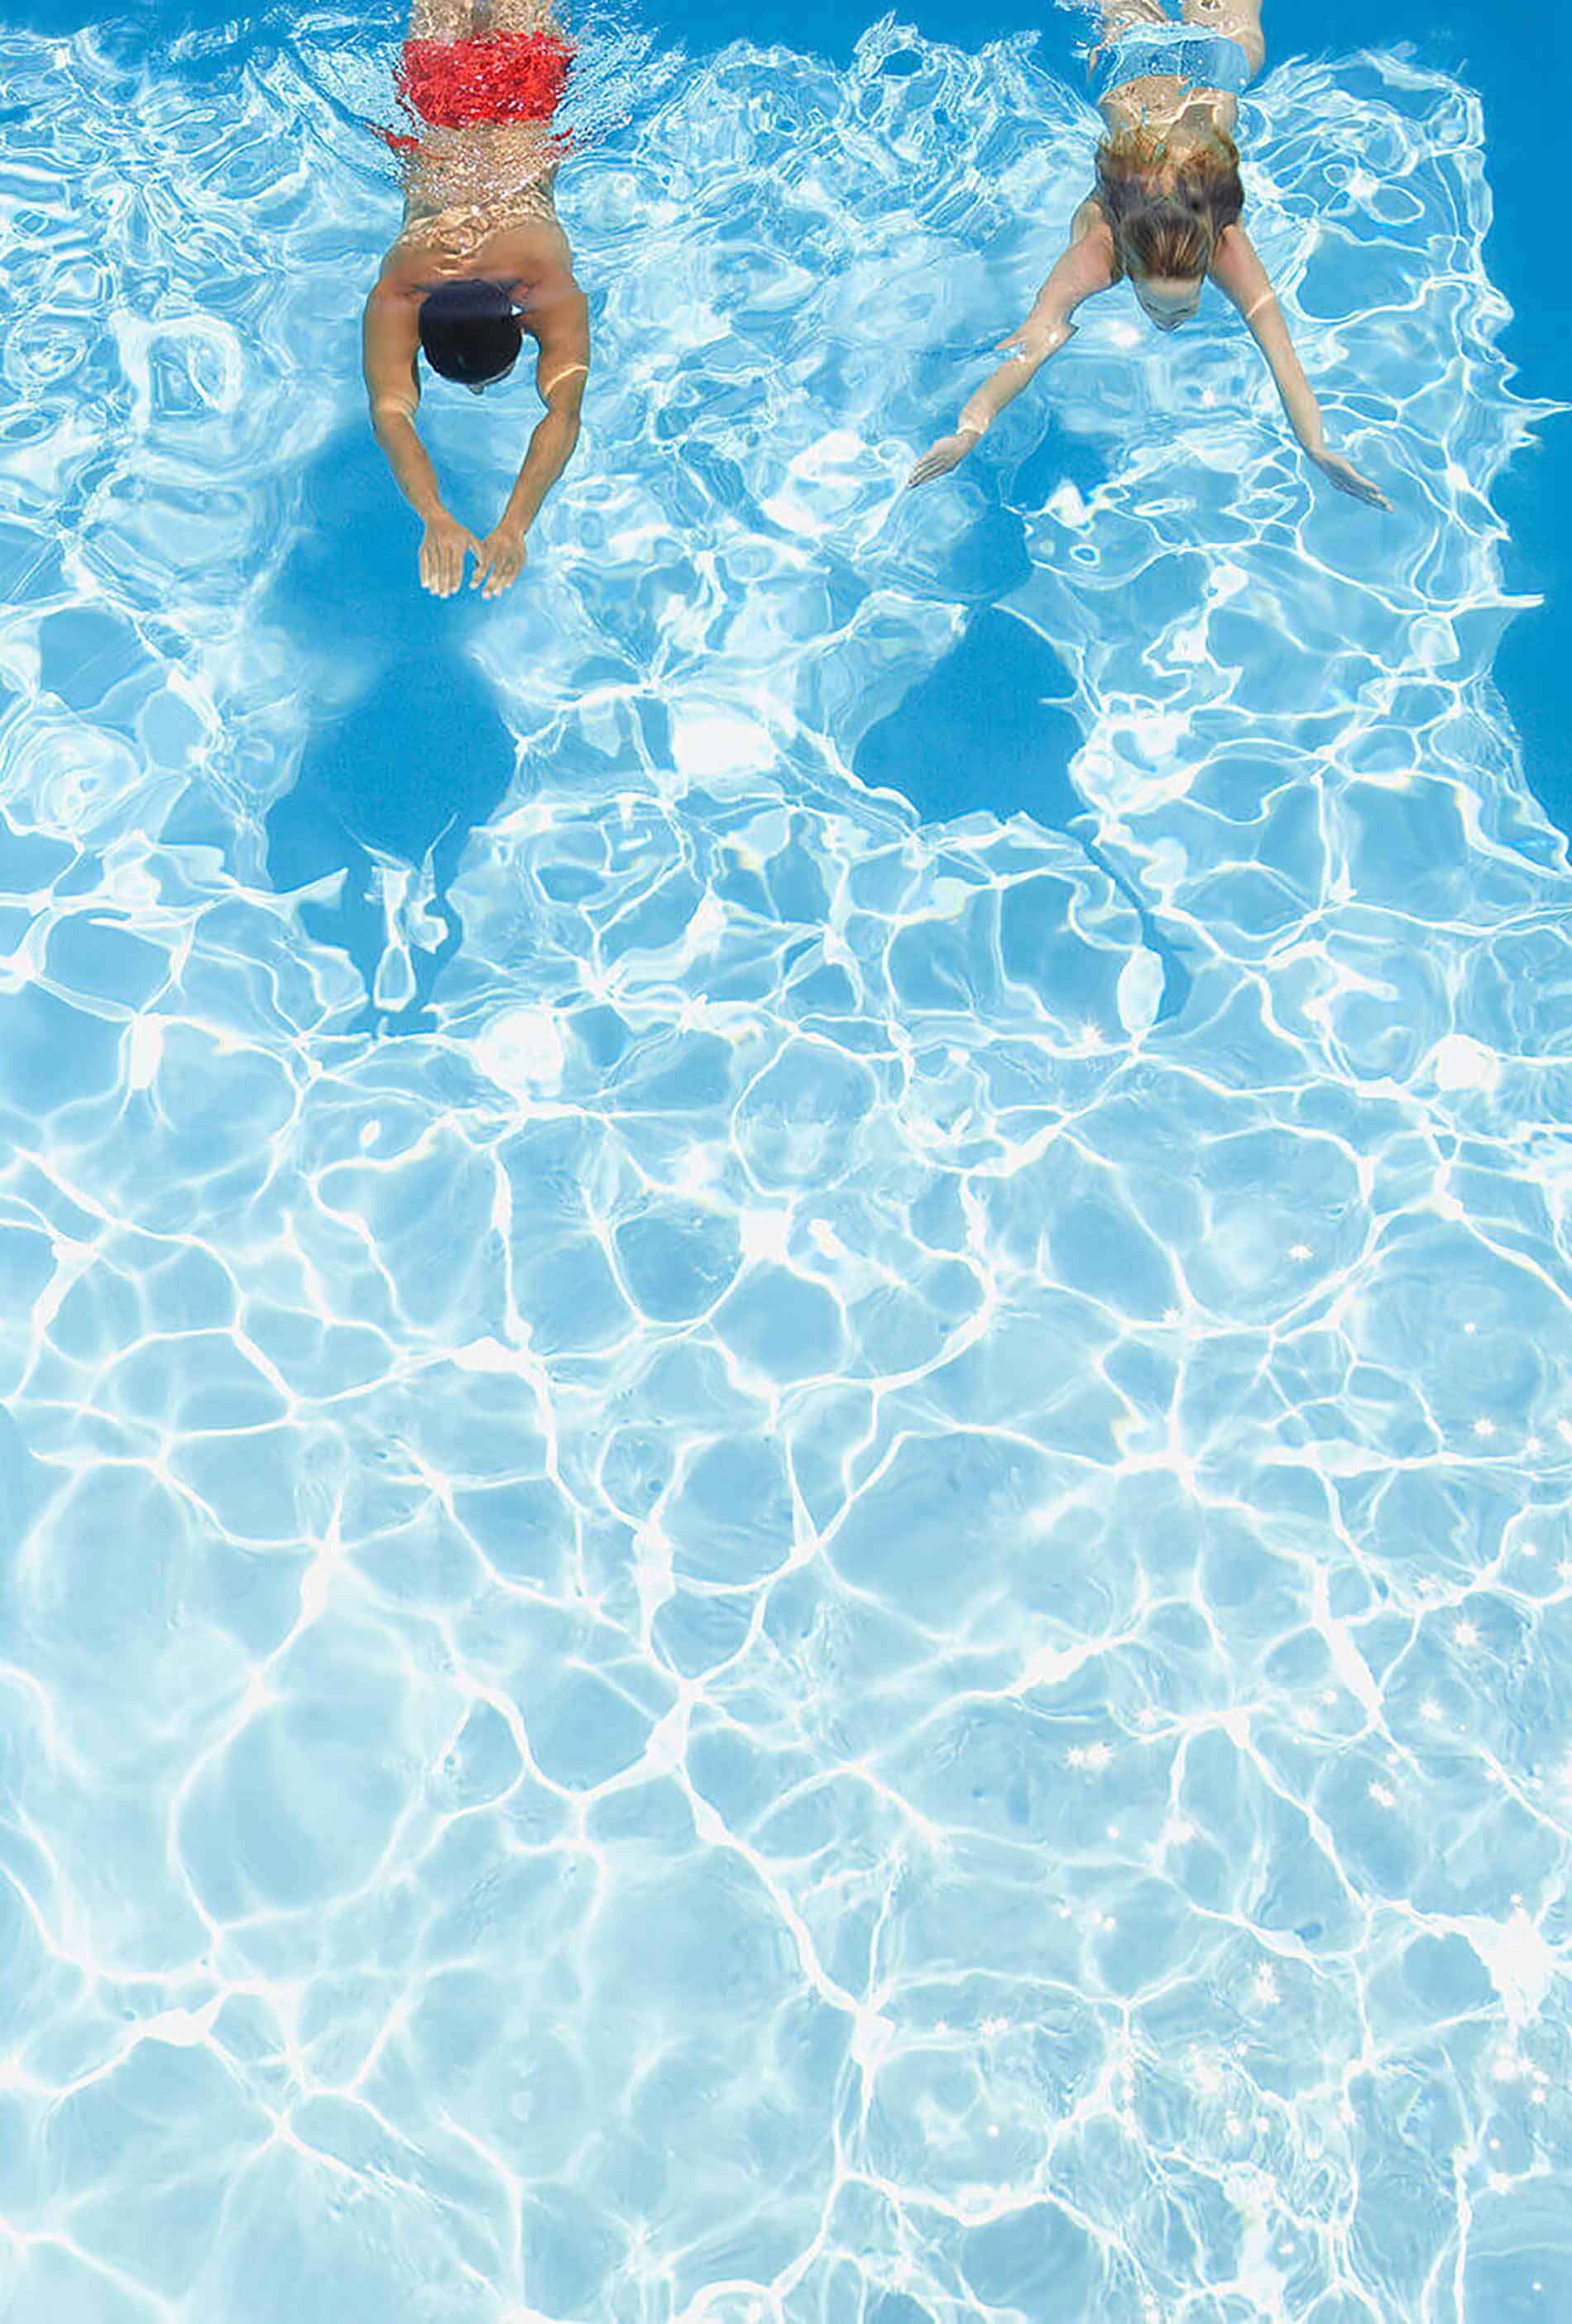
{"type": "Point", "coordinates": [1240, 275]}
{"type": "Point", "coordinates": [1085, 268]}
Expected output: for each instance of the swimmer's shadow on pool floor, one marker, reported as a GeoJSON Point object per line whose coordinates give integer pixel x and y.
{"type": "Point", "coordinates": [986, 730]}
{"type": "Point", "coordinates": [405, 751]}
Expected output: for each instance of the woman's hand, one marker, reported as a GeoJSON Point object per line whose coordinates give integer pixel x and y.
{"type": "Point", "coordinates": [444, 545]}
{"type": "Point", "coordinates": [941, 457]}
{"type": "Point", "coordinates": [1339, 472]}
{"type": "Point", "coordinates": [500, 558]}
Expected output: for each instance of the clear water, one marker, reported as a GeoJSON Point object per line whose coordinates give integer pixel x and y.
{"type": "Point", "coordinates": [785, 1475]}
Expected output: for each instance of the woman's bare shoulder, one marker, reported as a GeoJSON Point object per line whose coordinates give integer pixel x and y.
{"type": "Point", "coordinates": [1235, 266]}
{"type": "Point", "coordinates": [1088, 219]}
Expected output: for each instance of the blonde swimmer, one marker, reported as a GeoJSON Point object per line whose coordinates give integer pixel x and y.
{"type": "Point", "coordinates": [1164, 212]}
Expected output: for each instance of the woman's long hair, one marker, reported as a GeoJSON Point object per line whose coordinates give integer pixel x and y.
{"type": "Point", "coordinates": [1168, 209]}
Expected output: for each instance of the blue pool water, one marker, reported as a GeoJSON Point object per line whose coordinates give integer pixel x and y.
{"type": "Point", "coordinates": [788, 1400]}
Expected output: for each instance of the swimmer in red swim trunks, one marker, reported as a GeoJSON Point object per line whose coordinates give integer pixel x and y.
{"type": "Point", "coordinates": [480, 261]}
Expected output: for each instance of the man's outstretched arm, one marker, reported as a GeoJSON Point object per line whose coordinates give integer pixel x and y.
{"type": "Point", "coordinates": [561, 368]}
{"type": "Point", "coordinates": [389, 337]}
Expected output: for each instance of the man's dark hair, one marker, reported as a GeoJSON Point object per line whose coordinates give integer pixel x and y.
{"type": "Point", "coordinates": [470, 331]}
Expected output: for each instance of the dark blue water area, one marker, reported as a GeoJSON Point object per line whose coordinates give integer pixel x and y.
{"type": "Point", "coordinates": [345, 805]}
{"type": "Point", "coordinates": [405, 767]}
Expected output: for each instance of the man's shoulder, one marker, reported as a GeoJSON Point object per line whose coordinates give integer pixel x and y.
{"type": "Point", "coordinates": [551, 300]}
{"type": "Point", "coordinates": [395, 286]}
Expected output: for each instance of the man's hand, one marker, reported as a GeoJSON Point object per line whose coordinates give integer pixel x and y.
{"type": "Point", "coordinates": [1339, 472]}
{"type": "Point", "coordinates": [444, 545]}
{"type": "Point", "coordinates": [941, 457]}
{"type": "Point", "coordinates": [499, 560]}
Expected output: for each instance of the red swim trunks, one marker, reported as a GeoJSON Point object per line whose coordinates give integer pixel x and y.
{"type": "Point", "coordinates": [464, 84]}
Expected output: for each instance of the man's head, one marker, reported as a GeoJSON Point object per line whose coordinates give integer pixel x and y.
{"type": "Point", "coordinates": [470, 331]}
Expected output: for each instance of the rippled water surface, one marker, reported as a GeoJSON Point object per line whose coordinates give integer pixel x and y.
{"type": "Point", "coordinates": [774, 1551]}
